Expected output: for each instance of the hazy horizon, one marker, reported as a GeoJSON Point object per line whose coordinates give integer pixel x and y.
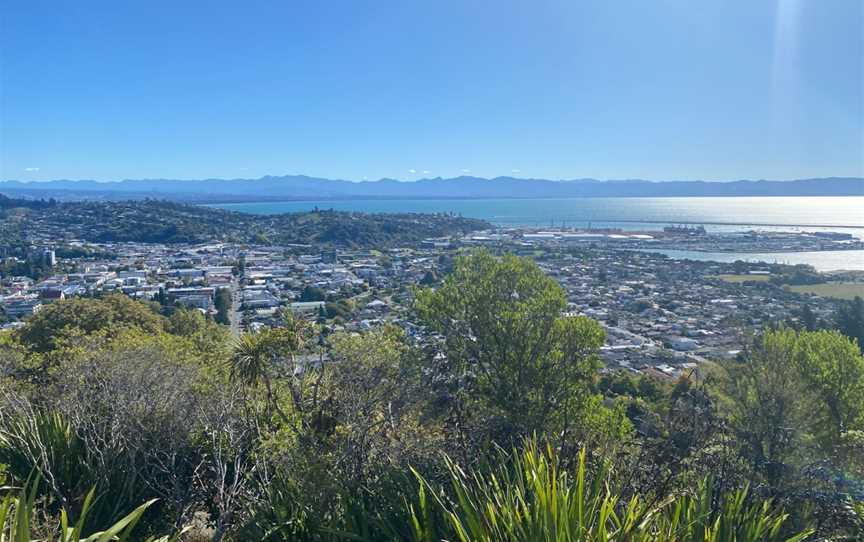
{"type": "Point", "coordinates": [465, 176]}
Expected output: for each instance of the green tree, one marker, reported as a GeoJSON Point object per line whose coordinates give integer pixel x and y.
{"type": "Point", "coordinates": [310, 293]}
{"type": "Point", "coordinates": [514, 364]}
{"type": "Point", "coordinates": [429, 278]}
{"type": "Point", "coordinates": [185, 322]}
{"type": "Point", "coordinates": [794, 398]}
{"type": "Point", "coordinates": [240, 268]}
{"type": "Point", "coordinates": [850, 320]}
{"type": "Point", "coordinates": [370, 392]}
{"type": "Point", "coordinates": [45, 329]}
{"type": "Point", "coordinates": [223, 304]}
{"type": "Point", "coordinates": [252, 362]}
{"type": "Point", "coordinates": [162, 297]}
{"type": "Point", "coordinates": [340, 309]}
{"type": "Point", "coordinates": [808, 319]}
{"type": "Point", "coordinates": [261, 358]}
{"type": "Point", "coordinates": [765, 410]}
{"type": "Point", "coordinates": [832, 370]}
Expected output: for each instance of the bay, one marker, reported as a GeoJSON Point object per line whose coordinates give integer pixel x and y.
{"type": "Point", "coordinates": [721, 214]}
{"type": "Point", "coordinates": [624, 213]}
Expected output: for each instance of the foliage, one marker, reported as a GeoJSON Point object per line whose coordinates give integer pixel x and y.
{"type": "Point", "coordinates": [310, 293]}
{"type": "Point", "coordinates": [46, 329]}
{"type": "Point", "coordinates": [156, 221]}
{"type": "Point", "coordinates": [17, 521]}
{"type": "Point", "coordinates": [794, 403]}
{"type": "Point", "coordinates": [223, 303]}
{"type": "Point", "coordinates": [795, 275]}
{"type": "Point", "coordinates": [530, 497]}
{"type": "Point", "coordinates": [292, 433]}
{"type": "Point", "coordinates": [510, 364]}
{"type": "Point", "coordinates": [185, 322]}
{"type": "Point", "coordinates": [339, 309]}
{"type": "Point", "coordinates": [850, 320]}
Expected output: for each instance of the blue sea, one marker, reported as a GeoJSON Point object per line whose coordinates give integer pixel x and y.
{"type": "Point", "coordinates": [845, 214]}
{"type": "Point", "coordinates": [626, 213]}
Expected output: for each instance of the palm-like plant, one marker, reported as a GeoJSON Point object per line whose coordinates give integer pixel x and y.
{"type": "Point", "coordinates": [255, 354]}
{"type": "Point", "coordinates": [255, 357]}
{"type": "Point", "coordinates": [251, 359]}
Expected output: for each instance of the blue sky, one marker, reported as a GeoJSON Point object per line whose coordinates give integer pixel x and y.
{"type": "Point", "coordinates": [353, 89]}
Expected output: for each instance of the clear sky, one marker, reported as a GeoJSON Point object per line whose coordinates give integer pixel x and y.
{"type": "Point", "coordinates": [353, 89]}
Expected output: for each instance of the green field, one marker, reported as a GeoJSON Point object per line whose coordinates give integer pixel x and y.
{"type": "Point", "coordinates": [840, 290]}
{"type": "Point", "coordinates": [738, 279]}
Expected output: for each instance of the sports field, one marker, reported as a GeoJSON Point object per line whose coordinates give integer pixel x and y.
{"type": "Point", "coordinates": [840, 290]}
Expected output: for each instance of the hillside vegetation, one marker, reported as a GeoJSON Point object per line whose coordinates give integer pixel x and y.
{"type": "Point", "coordinates": [155, 221]}
{"type": "Point", "coordinates": [496, 426]}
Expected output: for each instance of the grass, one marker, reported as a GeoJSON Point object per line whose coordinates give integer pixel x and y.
{"type": "Point", "coordinates": [839, 290]}
{"type": "Point", "coordinates": [738, 279]}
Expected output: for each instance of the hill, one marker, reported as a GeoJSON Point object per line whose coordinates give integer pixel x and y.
{"type": "Point", "coordinates": [157, 221]}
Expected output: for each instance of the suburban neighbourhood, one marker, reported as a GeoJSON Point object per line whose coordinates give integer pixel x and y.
{"type": "Point", "coordinates": [661, 316]}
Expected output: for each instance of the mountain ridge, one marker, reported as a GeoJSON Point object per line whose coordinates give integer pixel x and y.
{"type": "Point", "coordinates": [303, 187]}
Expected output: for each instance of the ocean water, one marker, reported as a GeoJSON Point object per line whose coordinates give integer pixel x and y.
{"type": "Point", "coordinates": [844, 214]}
{"type": "Point", "coordinates": [624, 213]}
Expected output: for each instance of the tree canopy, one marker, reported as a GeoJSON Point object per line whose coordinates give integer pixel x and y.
{"type": "Point", "coordinates": [508, 354]}
{"type": "Point", "coordinates": [48, 327]}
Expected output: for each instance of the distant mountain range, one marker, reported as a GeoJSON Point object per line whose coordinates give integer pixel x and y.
{"type": "Point", "coordinates": [301, 187]}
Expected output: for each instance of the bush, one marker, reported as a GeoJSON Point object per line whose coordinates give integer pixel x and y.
{"type": "Point", "coordinates": [531, 498]}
